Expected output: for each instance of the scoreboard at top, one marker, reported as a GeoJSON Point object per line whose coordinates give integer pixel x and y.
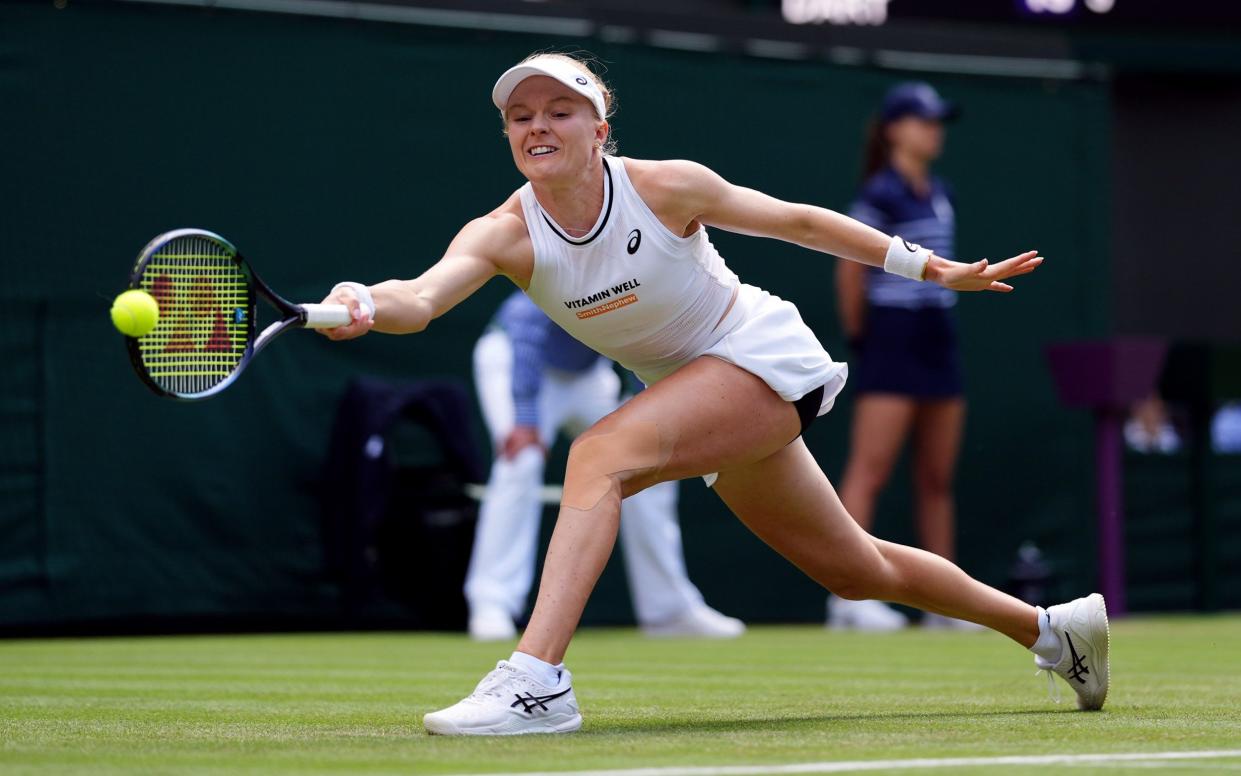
{"type": "Point", "coordinates": [1206, 14]}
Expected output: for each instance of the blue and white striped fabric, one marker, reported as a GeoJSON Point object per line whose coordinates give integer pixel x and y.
{"type": "Point", "coordinates": [538, 344]}
{"type": "Point", "coordinates": [889, 204]}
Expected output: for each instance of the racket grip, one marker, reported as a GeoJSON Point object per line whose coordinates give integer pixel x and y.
{"type": "Point", "coordinates": [326, 316]}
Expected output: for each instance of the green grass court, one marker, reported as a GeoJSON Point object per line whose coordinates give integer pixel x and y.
{"type": "Point", "coordinates": [352, 703]}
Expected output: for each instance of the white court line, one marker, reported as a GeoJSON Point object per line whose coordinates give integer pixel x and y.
{"type": "Point", "coordinates": [851, 766]}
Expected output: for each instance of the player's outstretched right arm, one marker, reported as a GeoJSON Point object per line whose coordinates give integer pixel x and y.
{"type": "Point", "coordinates": [482, 249]}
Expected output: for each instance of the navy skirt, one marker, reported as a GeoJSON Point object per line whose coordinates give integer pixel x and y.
{"type": "Point", "coordinates": [908, 352]}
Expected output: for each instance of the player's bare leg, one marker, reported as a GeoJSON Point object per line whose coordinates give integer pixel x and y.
{"type": "Point", "coordinates": [789, 503]}
{"type": "Point", "coordinates": [712, 416]}
{"type": "Point", "coordinates": [684, 426]}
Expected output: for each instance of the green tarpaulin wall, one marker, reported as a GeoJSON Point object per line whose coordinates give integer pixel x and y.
{"type": "Point", "coordinates": [330, 150]}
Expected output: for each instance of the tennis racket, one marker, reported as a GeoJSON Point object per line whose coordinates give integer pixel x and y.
{"type": "Point", "coordinates": [207, 296]}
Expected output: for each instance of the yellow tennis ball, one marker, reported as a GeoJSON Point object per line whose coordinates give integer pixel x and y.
{"type": "Point", "coordinates": [135, 313]}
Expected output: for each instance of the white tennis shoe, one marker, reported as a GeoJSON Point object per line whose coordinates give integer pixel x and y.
{"type": "Point", "coordinates": [510, 702]}
{"type": "Point", "coordinates": [1082, 628]}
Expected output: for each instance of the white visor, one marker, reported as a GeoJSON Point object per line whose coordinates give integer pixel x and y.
{"type": "Point", "coordinates": [551, 67]}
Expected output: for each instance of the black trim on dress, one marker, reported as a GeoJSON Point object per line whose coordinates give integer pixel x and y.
{"type": "Point", "coordinates": [608, 196]}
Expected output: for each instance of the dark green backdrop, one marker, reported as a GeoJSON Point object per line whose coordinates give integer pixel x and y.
{"type": "Point", "coordinates": [333, 150]}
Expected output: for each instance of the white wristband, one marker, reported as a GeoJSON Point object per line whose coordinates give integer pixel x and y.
{"type": "Point", "coordinates": [906, 259]}
{"type": "Point", "coordinates": [362, 293]}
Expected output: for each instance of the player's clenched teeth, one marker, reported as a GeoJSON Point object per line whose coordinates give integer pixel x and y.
{"type": "Point", "coordinates": [542, 150]}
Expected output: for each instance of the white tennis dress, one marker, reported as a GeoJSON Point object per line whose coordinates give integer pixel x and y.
{"type": "Point", "coordinates": [650, 299]}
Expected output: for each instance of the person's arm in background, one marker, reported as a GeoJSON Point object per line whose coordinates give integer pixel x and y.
{"type": "Point", "coordinates": [851, 299]}
{"type": "Point", "coordinates": [526, 326]}
{"type": "Point", "coordinates": [851, 277]}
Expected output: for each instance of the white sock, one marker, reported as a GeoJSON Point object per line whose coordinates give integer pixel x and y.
{"type": "Point", "coordinates": [546, 673]}
{"type": "Point", "coordinates": [1048, 647]}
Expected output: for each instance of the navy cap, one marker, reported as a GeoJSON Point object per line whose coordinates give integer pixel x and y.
{"type": "Point", "coordinates": [916, 98]}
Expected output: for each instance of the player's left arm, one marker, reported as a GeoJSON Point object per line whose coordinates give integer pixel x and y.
{"type": "Point", "coordinates": [716, 202]}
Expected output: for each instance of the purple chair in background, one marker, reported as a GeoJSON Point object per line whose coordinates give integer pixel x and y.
{"type": "Point", "coordinates": [1108, 376]}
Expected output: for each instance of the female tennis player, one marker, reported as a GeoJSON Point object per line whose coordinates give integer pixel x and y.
{"type": "Point", "coordinates": [616, 252]}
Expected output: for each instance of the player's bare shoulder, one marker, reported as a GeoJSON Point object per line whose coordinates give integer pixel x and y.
{"type": "Point", "coordinates": [674, 189]}
{"type": "Point", "coordinates": [502, 236]}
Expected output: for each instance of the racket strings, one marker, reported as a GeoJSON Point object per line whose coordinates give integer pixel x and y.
{"type": "Point", "coordinates": [205, 303]}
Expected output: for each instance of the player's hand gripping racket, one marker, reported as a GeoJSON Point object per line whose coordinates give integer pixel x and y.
{"type": "Point", "coordinates": [205, 334]}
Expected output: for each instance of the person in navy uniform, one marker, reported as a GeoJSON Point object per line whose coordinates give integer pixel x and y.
{"type": "Point", "coordinates": [906, 366]}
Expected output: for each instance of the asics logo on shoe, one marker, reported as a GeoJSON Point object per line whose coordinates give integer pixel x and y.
{"type": "Point", "coordinates": [532, 702]}
{"type": "Point", "coordinates": [1079, 661]}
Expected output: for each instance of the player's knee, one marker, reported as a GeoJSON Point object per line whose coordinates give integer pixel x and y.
{"type": "Point", "coordinates": [586, 479]}
{"type": "Point", "coordinates": [863, 578]}
{"type": "Point", "coordinates": [622, 460]}
{"type": "Point", "coordinates": [859, 588]}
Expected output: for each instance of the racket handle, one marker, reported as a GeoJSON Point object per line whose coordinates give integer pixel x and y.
{"type": "Point", "coordinates": [326, 316]}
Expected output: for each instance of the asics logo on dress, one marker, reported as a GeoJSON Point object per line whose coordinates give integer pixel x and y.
{"type": "Point", "coordinates": [1079, 661]}
{"type": "Point", "coordinates": [635, 240]}
{"type": "Point", "coordinates": [532, 702]}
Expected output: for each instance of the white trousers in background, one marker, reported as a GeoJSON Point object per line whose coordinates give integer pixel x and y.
{"type": "Point", "coordinates": [506, 542]}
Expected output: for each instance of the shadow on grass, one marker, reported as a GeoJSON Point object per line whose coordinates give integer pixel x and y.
{"type": "Point", "coordinates": [789, 724]}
